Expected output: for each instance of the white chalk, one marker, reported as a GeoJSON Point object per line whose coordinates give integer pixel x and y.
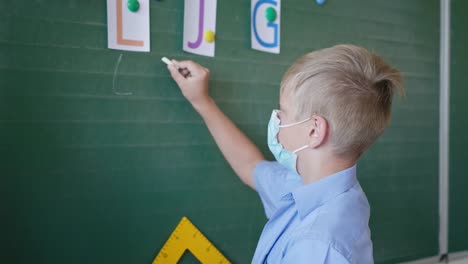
{"type": "Point", "coordinates": [184, 71]}
{"type": "Point", "coordinates": [166, 60]}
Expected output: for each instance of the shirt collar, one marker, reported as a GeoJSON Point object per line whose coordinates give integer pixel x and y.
{"type": "Point", "coordinates": [310, 196]}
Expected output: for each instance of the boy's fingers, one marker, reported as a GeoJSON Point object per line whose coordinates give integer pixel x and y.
{"type": "Point", "coordinates": [176, 74]}
{"type": "Point", "coordinates": [193, 67]}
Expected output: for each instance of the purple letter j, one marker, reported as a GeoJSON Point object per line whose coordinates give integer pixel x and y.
{"type": "Point", "coordinates": [196, 44]}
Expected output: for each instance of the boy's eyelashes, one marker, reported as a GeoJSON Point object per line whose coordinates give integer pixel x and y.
{"type": "Point", "coordinates": [280, 113]}
{"type": "Point", "coordinates": [280, 108]}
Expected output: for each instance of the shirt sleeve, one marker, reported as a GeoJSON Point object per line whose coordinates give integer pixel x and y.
{"type": "Point", "coordinates": [313, 251]}
{"type": "Point", "coordinates": [272, 182]}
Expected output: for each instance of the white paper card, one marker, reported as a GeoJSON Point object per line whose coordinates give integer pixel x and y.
{"type": "Point", "coordinates": [265, 35]}
{"type": "Point", "coordinates": [128, 30]}
{"type": "Point", "coordinates": [199, 17]}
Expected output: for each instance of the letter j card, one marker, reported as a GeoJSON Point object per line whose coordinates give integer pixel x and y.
{"type": "Point", "coordinates": [200, 27]}
{"type": "Point", "coordinates": [265, 28]}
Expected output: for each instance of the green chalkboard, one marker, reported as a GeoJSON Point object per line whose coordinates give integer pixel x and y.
{"type": "Point", "coordinates": [458, 181]}
{"type": "Point", "coordinates": [89, 176]}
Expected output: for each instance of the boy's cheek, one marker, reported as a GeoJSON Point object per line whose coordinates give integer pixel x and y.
{"type": "Point", "coordinates": [292, 138]}
{"type": "Point", "coordinates": [284, 139]}
{"type": "Point", "coordinates": [280, 137]}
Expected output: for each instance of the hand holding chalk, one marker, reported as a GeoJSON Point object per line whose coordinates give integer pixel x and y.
{"type": "Point", "coordinates": [192, 79]}
{"type": "Point", "coordinates": [184, 71]}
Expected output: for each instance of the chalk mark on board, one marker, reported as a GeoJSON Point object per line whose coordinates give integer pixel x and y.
{"type": "Point", "coordinates": [115, 76]}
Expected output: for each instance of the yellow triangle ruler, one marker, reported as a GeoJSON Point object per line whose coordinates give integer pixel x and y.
{"type": "Point", "coordinates": [187, 237]}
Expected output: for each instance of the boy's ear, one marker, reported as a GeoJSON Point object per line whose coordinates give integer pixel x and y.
{"type": "Point", "coordinates": [318, 131]}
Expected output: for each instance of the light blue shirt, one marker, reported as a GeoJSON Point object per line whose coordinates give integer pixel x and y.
{"type": "Point", "coordinates": [326, 221]}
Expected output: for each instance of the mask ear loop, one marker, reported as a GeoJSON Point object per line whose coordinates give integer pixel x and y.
{"type": "Point", "coordinates": [301, 148]}
{"type": "Point", "coordinates": [297, 123]}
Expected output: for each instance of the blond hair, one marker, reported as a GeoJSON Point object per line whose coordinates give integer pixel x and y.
{"type": "Point", "coordinates": [351, 88]}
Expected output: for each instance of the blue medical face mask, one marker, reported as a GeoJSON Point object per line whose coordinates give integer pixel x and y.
{"type": "Point", "coordinates": [283, 156]}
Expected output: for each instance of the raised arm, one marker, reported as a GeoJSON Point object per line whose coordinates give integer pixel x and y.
{"type": "Point", "coordinates": [237, 149]}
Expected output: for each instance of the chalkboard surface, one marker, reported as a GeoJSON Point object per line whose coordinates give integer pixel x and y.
{"type": "Point", "coordinates": [90, 176]}
{"type": "Point", "coordinates": [458, 180]}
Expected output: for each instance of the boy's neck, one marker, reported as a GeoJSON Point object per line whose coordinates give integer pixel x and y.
{"type": "Point", "coordinates": [321, 168]}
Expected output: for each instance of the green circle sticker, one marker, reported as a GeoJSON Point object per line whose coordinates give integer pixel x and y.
{"type": "Point", "coordinates": [133, 5]}
{"type": "Point", "coordinates": [270, 14]}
